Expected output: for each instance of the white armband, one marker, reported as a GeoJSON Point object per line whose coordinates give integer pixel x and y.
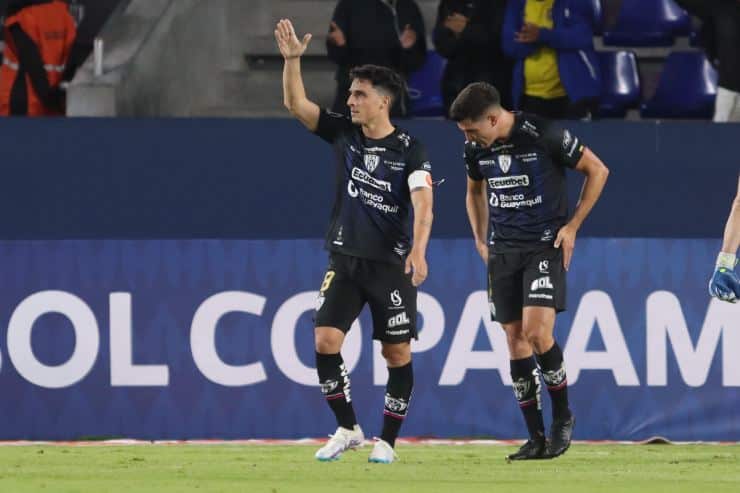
{"type": "Point", "coordinates": [420, 179]}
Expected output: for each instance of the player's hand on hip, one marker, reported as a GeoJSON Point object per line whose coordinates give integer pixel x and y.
{"type": "Point", "coordinates": [482, 251]}
{"type": "Point", "coordinates": [566, 240]}
{"type": "Point", "coordinates": [288, 43]}
{"type": "Point", "coordinates": [417, 265]}
{"type": "Point", "coordinates": [725, 285]}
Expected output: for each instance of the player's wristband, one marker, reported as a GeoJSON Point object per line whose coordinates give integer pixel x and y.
{"type": "Point", "coordinates": [726, 260]}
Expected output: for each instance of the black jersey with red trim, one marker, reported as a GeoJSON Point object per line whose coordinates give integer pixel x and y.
{"type": "Point", "coordinates": [371, 214]}
{"type": "Point", "coordinates": [525, 180]}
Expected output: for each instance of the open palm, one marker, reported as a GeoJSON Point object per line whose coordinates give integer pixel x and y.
{"type": "Point", "coordinates": [288, 43]}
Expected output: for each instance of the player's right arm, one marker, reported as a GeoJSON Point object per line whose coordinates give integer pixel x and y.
{"type": "Point", "coordinates": [476, 204]}
{"type": "Point", "coordinates": [294, 94]}
{"type": "Point", "coordinates": [725, 284]}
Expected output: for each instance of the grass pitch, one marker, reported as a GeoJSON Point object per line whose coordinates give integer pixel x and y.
{"type": "Point", "coordinates": [422, 468]}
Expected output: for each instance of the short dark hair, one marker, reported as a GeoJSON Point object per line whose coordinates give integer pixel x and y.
{"type": "Point", "coordinates": [381, 78]}
{"type": "Point", "coordinates": [474, 101]}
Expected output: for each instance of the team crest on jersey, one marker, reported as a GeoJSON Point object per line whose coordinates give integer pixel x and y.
{"type": "Point", "coordinates": [371, 162]}
{"type": "Point", "coordinates": [504, 162]}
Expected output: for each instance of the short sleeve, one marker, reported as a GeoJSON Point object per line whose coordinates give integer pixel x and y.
{"type": "Point", "coordinates": [332, 125]}
{"type": "Point", "coordinates": [472, 167]}
{"type": "Point", "coordinates": [565, 148]}
{"type": "Point", "coordinates": [417, 158]}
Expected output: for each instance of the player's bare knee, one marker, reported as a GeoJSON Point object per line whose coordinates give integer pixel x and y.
{"type": "Point", "coordinates": [327, 341]}
{"type": "Point", "coordinates": [396, 354]}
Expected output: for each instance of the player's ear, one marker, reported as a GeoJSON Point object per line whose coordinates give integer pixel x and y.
{"type": "Point", "coordinates": [492, 119]}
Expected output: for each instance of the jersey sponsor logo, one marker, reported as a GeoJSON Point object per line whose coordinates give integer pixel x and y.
{"type": "Point", "coordinates": [541, 283]}
{"type": "Point", "coordinates": [364, 177]}
{"type": "Point", "coordinates": [504, 162]}
{"type": "Point", "coordinates": [516, 201]}
{"type": "Point", "coordinates": [395, 165]}
{"type": "Point", "coordinates": [376, 201]}
{"type": "Point", "coordinates": [426, 166]}
{"type": "Point", "coordinates": [544, 267]}
{"type": "Point", "coordinates": [493, 200]}
{"type": "Point", "coordinates": [405, 139]}
{"type": "Point", "coordinates": [398, 320]}
{"type": "Point", "coordinates": [375, 149]}
{"type": "Point", "coordinates": [486, 162]}
{"type": "Point", "coordinates": [502, 147]}
{"type": "Point", "coordinates": [509, 182]}
{"type": "Point", "coordinates": [354, 149]}
{"type": "Point", "coordinates": [352, 189]}
{"type": "Point", "coordinates": [371, 162]}
{"type": "Point", "coordinates": [547, 235]}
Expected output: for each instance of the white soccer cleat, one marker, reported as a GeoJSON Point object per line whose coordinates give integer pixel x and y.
{"type": "Point", "coordinates": [382, 453]}
{"type": "Point", "coordinates": [341, 441]}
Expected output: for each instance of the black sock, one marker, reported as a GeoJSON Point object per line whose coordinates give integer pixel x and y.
{"type": "Point", "coordinates": [553, 373]}
{"type": "Point", "coordinates": [334, 381]}
{"type": "Point", "coordinates": [527, 390]}
{"type": "Point", "coordinates": [397, 397]}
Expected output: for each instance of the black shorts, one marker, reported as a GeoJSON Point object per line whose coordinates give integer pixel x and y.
{"type": "Point", "coordinates": [350, 282]}
{"type": "Point", "coordinates": [525, 278]}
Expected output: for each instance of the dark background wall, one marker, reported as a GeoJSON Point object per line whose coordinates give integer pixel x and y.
{"type": "Point", "coordinates": [272, 179]}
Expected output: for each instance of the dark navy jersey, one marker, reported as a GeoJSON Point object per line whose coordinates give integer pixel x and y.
{"type": "Point", "coordinates": [371, 215]}
{"type": "Point", "coordinates": [525, 177]}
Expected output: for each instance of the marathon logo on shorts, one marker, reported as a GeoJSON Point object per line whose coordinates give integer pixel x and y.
{"type": "Point", "coordinates": [398, 320]}
{"type": "Point", "coordinates": [509, 182]}
{"type": "Point", "coordinates": [364, 177]}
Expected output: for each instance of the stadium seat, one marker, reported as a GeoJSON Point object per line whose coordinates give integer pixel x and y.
{"type": "Point", "coordinates": [687, 88]}
{"type": "Point", "coordinates": [425, 87]}
{"type": "Point", "coordinates": [648, 23]}
{"type": "Point", "coordinates": [620, 83]}
{"type": "Point", "coordinates": [597, 16]}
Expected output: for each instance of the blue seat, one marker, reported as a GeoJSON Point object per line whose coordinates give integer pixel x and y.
{"type": "Point", "coordinates": [620, 83]}
{"type": "Point", "coordinates": [648, 23]}
{"type": "Point", "coordinates": [425, 90]}
{"type": "Point", "coordinates": [687, 88]}
{"type": "Point", "coordinates": [597, 16]}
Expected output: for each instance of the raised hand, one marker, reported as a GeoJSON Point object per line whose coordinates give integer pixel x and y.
{"type": "Point", "coordinates": [288, 43]}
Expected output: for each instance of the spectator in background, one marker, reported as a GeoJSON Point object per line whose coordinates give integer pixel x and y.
{"type": "Point", "coordinates": [468, 35]}
{"type": "Point", "coordinates": [556, 73]}
{"type": "Point", "coordinates": [389, 33]}
{"type": "Point", "coordinates": [39, 35]}
{"type": "Point", "coordinates": [720, 38]}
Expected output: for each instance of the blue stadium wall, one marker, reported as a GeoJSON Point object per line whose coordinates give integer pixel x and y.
{"type": "Point", "coordinates": [157, 280]}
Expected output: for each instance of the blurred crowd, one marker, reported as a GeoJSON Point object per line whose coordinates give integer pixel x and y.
{"type": "Point", "coordinates": [539, 53]}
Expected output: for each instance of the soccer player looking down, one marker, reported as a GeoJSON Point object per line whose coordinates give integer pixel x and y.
{"type": "Point", "coordinates": [382, 172]}
{"type": "Point", "coordinates": [516, 166]}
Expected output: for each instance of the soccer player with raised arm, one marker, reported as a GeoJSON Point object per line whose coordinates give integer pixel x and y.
{"type": "Point", "coordinates": [382, 173]}
{"type": "Point", "coordinates": [724, 284]}
{"type": "Point", "coordinates": [517, 207]}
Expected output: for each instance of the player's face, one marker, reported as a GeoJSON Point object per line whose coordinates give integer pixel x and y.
{"type": "Point", "coordinates": [366, 103]}
{"type": "Point", "coordinates": [483, 132]}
